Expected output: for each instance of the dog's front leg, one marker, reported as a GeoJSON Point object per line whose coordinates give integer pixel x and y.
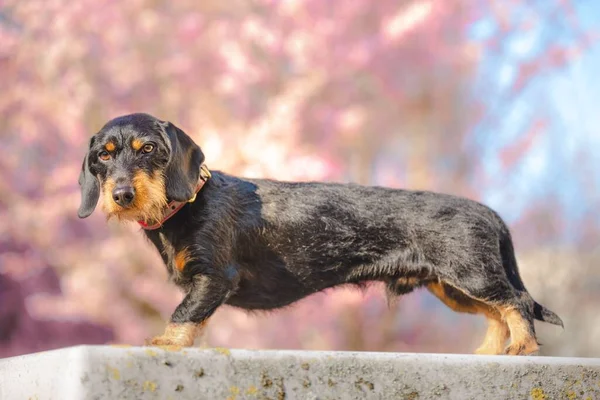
{"type": "Point", "coordinates": [206, 294]}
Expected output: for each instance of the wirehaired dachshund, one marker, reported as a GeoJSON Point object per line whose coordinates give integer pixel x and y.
{"type": "Point", "coordinates": [260, 244]}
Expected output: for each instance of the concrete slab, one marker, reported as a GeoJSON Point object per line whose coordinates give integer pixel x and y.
{"type": "Point", "coordinates": [107, 372]}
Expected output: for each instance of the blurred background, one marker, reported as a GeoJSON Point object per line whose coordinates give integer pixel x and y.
{"type": "Point", "coordinates": [489, 99]}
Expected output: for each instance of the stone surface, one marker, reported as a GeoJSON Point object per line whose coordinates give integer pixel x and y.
{"type": "Point", "coordinates": [108, 372]}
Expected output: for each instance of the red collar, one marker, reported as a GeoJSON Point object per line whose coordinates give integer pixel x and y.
{"type": "Point", "coordinates": [175, 206]}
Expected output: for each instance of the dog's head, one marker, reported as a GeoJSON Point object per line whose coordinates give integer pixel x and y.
{"type": "Point", "coordinates": [138, 163]}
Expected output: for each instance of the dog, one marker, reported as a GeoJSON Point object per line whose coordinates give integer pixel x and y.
{"type": "Point", "coordinates": [260, 244]}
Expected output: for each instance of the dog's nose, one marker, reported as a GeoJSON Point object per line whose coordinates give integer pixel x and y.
{"type": "Point", "coordinates": [123, 195]}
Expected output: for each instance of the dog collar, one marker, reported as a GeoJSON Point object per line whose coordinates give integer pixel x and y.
{"type": "Point", "coordinates": [175, 206]}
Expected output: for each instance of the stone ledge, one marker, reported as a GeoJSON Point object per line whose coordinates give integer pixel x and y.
{"type": "Point", "coordinates": [109, 372]}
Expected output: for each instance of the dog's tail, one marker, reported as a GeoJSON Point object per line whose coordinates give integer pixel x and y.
{"type": "Point", "coordinates": [541, 313]}
{"type": "Point", "coordinates": [511, 268]}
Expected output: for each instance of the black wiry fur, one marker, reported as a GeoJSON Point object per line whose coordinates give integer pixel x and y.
{"type": "Point", "coordinates": [261, 244]}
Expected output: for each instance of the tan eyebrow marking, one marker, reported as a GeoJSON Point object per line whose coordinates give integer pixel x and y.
{"type": "Point", "coordinates": [110, 146]}
{"type": "Point", "coordinates": [137, 144]}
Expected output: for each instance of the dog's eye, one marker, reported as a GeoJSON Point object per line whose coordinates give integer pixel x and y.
{"type": "Point", "coordinates": [148, 147]}
{"type": "Point", "coordinates": [104, 155]}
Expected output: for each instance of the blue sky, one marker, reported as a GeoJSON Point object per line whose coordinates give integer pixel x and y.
{"type": "Point", "coordinates": [565, 161]}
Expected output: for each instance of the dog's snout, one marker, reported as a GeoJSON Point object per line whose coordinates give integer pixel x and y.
{"type": "Point", "coordinates": [123, 195]}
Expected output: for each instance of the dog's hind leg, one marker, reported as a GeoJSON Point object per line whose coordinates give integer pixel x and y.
{"type": "Point", "coordinates": [519, 316]}
{"type": "Point", "coordinates": [497, 298]}
{"type": "Point", "coordinates": [497, 332]}
{"type": "Point", "coordinates": [495, 337]}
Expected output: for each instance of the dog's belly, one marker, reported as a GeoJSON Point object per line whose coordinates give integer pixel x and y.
{"type": "Point", "coordinates": [250, 297]}
{"type": "Point", "coordinates": [256, 300]}
{"type": "Point", "coordinates": [276, 286]}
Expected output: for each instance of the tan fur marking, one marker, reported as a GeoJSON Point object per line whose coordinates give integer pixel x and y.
{"type": "Point", "coordinates": [136, 144]}
{"type": "Point", "coordinates": [181, 259]}
{"type": "Point", "coordinates": [411, 281]}
{"type": "Point", "coordinates": [108, 204]}
{"type": "Point", "coordinates": [473, 307]}
{"type": "Point", "coordinates": [522, 341]}
{"type": "Point", "coordinates": [148, 204]}
{"type": "Point", "coordinates": [497, 332]}
{"type": "Point", "coordinates": [110, 146]}
{"type": "Point", "coordinates": [181, 335]}
{"type": "Point", "coordinates": [495, 338]}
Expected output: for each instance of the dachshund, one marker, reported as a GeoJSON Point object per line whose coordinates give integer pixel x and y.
{"type": "Point", "coordinates": [262, 244]}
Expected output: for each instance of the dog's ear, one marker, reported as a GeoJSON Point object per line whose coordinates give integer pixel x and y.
{"type": "Point", "coordinates": [183, 170]}
{"type": "Point", "coordinates": [90, 188]}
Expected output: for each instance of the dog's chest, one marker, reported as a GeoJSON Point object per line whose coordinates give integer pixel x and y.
{"type": "Point", "coordinates": [169, 254]}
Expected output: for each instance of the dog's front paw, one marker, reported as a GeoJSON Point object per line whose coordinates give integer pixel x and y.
{"type": "Point", "coordinates": [167, 341]}
{"type": "Point", "coordinates": [179, 335]}
{"type": "Point", "coordinates": [159, 341]}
